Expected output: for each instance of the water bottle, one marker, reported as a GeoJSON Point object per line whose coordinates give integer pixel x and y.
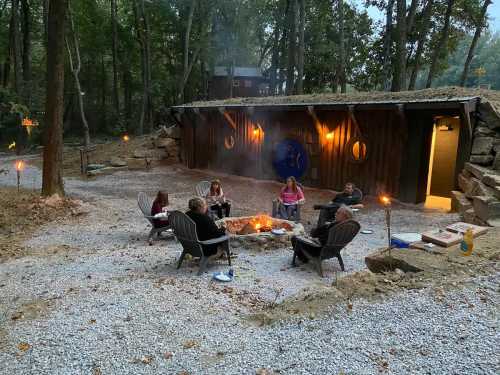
{"type": "Point", "coordinates": [231, 273]}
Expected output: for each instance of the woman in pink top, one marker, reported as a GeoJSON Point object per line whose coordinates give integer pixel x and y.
{"type": "Point", "coordinates": [291, 195]}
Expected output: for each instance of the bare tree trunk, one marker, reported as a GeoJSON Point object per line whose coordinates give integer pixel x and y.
{"type": "Point", "coordinates": [52, 181]}
{"type": "Point", "coordinates": [273, 76]}
{"type": "Point", "coordinates": [410, 19]}
{"type": "Point", "coordinates": [300, 57]}
{"type": "Point", "coordinates": [16, 48]}
{"type": "Point", "coordinates": [185, 65]}
{"type": "Point", "coordinates": [438, 51]}
{"type": "Point", "coordinates": [114, 24]}
{"type": "Point", "coordinates": [140, 39]}
{"type": "Point", "coordinates": [27, 72]}
{"type": "Point", "coordinates": [426, 17]}
{"type": "Point", "coordinates": [399, 77]}
{"type": "Point", "coordinates": [387, 46]}
{"type": "Point", "coordinates": [480, 24]}
{"type": "Point", "coordinates": [292, 47]}
{"type": "Point", "coordinates": [341, 74]}
{"type": "Point", "coordinates": [147, 44]}
{"type": "Point", "coordinates": [75, 70]}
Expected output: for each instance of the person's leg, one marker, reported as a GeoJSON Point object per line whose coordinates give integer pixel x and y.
{"type": "Point", "coordinates": [227, 208]}
{"type": "Point", "coordinates": [327, 214]}
{"type": "Point", "coordinates": [282, 211]}
{"type": "Point", "coordinates": [218, 209]}
{"type": "Point", "coordinates": [297, 248]}
{"type": "Point", "coordinates": [290, 210]}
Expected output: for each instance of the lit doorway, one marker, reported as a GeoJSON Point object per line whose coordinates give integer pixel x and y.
{"type": "Point", "coordinates": [442, 163]}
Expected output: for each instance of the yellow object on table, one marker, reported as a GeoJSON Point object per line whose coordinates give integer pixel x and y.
{"type": "Point", "coordinates": [467, 244]}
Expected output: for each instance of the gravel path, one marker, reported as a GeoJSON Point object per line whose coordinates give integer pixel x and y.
{"type": "Point", "coordinates": [93, 298]}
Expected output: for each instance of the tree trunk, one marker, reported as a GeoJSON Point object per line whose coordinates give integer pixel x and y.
{"type": "Point", "coordinates": [387, 46]}
{"type": "Point", "coordinates": [438, 51]}
{"type": "Point", "coordinates": [410, 20]}
{"type": "Point", "coordinates": [300, 57]}
{"type": "Point", "coordinates": [341, 74]}
{"type": "Point", "coordinates": [75, 70]}
{"type": "Point", "coordinates": [292, 47]}
{"type": "Point", "coordinates": [477, 34]}
{"type": "Point", "coordinates": [273, 75]}
{"type": "Point", "coordinates": [27, 72]}
{"type": "Point", "coordinates": [147, 44]}
{"type": "Point", "coordinates": [426, 17]}
{"type": "Point", "coordinates": [16, 48]}
{"type": "Point", "coordinates": [52, 181]}
{"type": "Point", "coordinates": [399, 77]}
{"type": "Point", "coordinates": [185, 65]}
{"type": "Point", "coordinates": [283, 47]}
{"type": "Point", "coordinates": [140, 39]}
{"type": "Point", "coordinates": [114, 25]}
{"type": "Point", "coordinates": [45, 10]}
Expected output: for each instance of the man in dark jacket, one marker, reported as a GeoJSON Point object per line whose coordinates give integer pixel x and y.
{"type": "Point", "coordinates": [206, 229]}
{"type": "Point", "coordinates": [320, 234]}
{"type": "Point", "coordinates": [349, 197]}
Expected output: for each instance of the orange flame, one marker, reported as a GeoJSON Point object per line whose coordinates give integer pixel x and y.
{"type": "Point", "coordinates": [28, 122]}
{"type": "Point", "coordinates": [19, 165]}
{"type": "Point", "coordinates": [126, 138]}
{"type": "Point", "coordinates": [329, 136]}
{"type": "Point", "coordinates": [385, 200]}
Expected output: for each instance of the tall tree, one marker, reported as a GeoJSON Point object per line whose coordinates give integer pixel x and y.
{"type": "Point", "coordinates": [27, 72]}
{"type": "Point", "coordinates": [386, 69]}
{"type": "Point", "coordinates": [341, 66]}
{"type": "Point", "coordinates": [399, 76]}
{"type": "Point", "coordinates": [16, 47]}
{"type": "Point", "coordinates": [75, 67]}
{"type": "Point", "coordinates": [481, 20]}
{"type": "Point", "coordinates": [114, 45]}
{"type": "Point", "coordinates": [438, 52]}
{"type": "Point", "coordinates": [52, 181]}
{"type": "Point", "coordinates": [292, 47]}
{"type": "Point", "coordinates": [300, 56]}
{"type": "Point", "coordinates": [424, 30]}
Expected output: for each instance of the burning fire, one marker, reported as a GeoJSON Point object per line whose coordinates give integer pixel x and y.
{"type": "Point", "coordinates": [29, 124]}
{"type": "Point", "coordinates": [329, 136]}
{"type": "Point", "coordinates": [126, 138]}
{"type": "Point", "coordinates": [262, 223]}
{"type": "Point", "coordinates": [385, 200]}
{"type": "Point", "coordinates": [19, 165]}
{"type": "Point", "coordinates": [12, 145]}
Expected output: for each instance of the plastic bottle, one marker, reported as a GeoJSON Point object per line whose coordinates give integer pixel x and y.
{"type": "Point", "coordinates": [467, 244]}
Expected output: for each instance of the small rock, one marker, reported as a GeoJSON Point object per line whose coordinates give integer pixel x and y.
{"type": "Point", "coordinates": [482, 159]}
{"type": "Point", "coordinates": [117, 162]}
{"type": "Point", "coordinates": [482, 145]}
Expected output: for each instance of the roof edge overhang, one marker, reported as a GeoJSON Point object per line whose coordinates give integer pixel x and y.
{"type": "Point", "coordinates": [445, 104]}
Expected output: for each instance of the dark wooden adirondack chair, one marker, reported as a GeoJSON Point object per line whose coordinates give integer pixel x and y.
{"type": "Point", "coordinates": [201, 191]}
{"type": "Point", "coordinates": [185, 232]}
{"type": "Point", "coordinates": [339, 237]}
{"type": "Point", "coordinates": [145, 204]}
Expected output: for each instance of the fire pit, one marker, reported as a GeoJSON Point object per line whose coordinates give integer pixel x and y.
{"type": "Point", "coordinates": [255, 231]}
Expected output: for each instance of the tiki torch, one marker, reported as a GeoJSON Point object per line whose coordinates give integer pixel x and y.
{"type": "Point", "coordinates": [126, 139]}
{"type": "Point", "coordinates": [386, 201]}
{"type": "Point", "coordinates": [19, 168]}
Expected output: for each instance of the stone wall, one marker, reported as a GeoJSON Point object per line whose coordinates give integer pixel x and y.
{"type": "Point", "coordinates": [479, 182]}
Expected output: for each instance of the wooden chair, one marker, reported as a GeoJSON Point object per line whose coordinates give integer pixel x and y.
{"type": "Point", "coordinates": [185, 232]}
{"type": "Point", "coordinates": [339, 237]}
{"type": "Point", "coordinates": [201, 191]}
{"type": "Point", "coordinates": [145, 204]}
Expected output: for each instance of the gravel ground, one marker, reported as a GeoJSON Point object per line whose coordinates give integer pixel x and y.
{"type": "Point", "coordinates": [93, 298]}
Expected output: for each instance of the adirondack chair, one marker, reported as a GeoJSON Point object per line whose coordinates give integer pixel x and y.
{"type": "Point", "coordinates": [339, 237]}
{"type": "Point", "coordinates": [145, 204]}
{"type": "Point", "coordinates": [296, 215]}
{"type": "Point", "coordinates": [201, 191]}
{"type": "Point", "coordinates": [185, 232]}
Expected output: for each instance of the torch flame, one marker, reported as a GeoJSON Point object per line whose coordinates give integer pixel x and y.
{"type": "Point", "coordinates": [126, 138]}
{"type": "Point", "coordinates": [385, 200]}
{"type": "Point", "coordinates": [19, 165]}
{"type": "Point", "coordinates": [12, 145]}
{"type": "Point", "coordinates": [256, 132]}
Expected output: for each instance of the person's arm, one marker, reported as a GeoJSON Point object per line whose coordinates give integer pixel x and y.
{"type": "Point", "coordinates": [359, 205]}
{"type": "Point", "coordinates": [155, 209]}
{"type": "Point", "coordinates": [280, 197]}
{"type": "Point", "coordinates": [300, 196]}
{"type": "Point", "coordinates": [213, 231]}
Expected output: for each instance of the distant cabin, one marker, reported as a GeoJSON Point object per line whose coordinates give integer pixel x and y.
{"type": "Point", "coordinates": [245, 82]}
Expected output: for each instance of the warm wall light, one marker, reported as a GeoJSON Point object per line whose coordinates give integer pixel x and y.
{"type": "Point", "coordinates": [329, 136]}
{"type": "Point", "coordinates": [256, 132]}
{"type": "Point", "coordinates": [126, 138]}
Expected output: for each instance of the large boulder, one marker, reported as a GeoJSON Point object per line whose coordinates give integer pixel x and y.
{"type": "Point", "coordinates": [486, 208]}
{"type": "Point", "coordinates": [491, 180]}
{"type": "Point", "coordinates": [117, 162]}
{"type": "Point", "coordinates": [470, 217]}
{"type": "Point", "coordinates": [465, 182]}
{"type": "Point", "coordinates": [476, 170]}
{"type": "Point", "coordinates": [482, 145]}
{"type": "Point", "coordinates": [476, 188]}
{"type": "Point", "coordinates": [484, 131]}
{"type": "Point", "coordinates": [484, 160]}
{"type": "Point", "coordinates": [173, 132]}
{"type": "Point", "coordinates": [459, 202]}
{"type": "Point", "coordinates": [496, 162]}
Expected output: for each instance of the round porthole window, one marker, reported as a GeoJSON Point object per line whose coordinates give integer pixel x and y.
{"type": "Point", "coordinates": [357, 150]}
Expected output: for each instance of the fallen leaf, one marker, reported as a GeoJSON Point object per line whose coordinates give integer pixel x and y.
{"type": "Point", "coordinates": [92, 321]}
{"type": "Point", "coordinates": [190, 344]}
{"type": "Point", "coordinates": [147, 359]}
{"type": "Point", "coordinates": [17, 315]}
{"type": "Point", "coordinates": [183, 372]}
{"type": "Point", "coordinates": [168, 355]}
{"type": "Point", "coordinates": [24, 346]}
{"type": "Point", "coordinates": [96, 371]}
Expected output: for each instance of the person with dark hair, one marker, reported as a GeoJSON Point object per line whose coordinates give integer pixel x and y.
{"type": "Point", "coordinates": [216, 199]}
{"type": "Point", "coordinates": [350, 197]}
{"type": "Point", "coordinates": [290, 196]}
{"type": "Point", "coordinates": [160, 206]}
{"type": "Point", "coordinates": [320, 234]}
{"type": "Point", "coordinates": [206, 229]}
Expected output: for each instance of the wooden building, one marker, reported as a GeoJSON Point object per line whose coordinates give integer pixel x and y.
{"type": "Point", "coordinates": [239, 83]}
{"type": "Point", "coordinates": [408, 145]}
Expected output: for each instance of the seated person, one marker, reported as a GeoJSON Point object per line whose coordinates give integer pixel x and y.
{"type": "Point", "coordinates": [216, 199]}
{"type": "Point", "coordinates": [206, 229]}
{"type": "Point", "coordinates": [290, 196]}
{"type": "Point", "coordinates": [160, 205]}
{"type": "Point", "coordinates": [320, 233]}
{"type": "Point", "coordinates": [349, 197]}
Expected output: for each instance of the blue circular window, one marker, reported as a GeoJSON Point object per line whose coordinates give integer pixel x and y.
{"type": "Point", "coordinates": [290, 159]}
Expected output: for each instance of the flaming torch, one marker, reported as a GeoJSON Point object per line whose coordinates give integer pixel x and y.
{"type": "Point", "coordinates": [126, 139]}
{"type": "Point", "coordinates": [386, 201]}
{"type": "Point", "coordinates": [19, 168]}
